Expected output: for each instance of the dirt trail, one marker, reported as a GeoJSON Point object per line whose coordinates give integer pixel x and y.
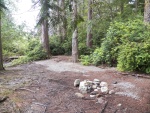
{"type": "Point", "coordinates": [47, 87]}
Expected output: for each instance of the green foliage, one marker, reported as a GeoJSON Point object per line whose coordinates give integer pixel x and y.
{"type": "Point", "coordinates": [134, 57]}
{"type": "Point", "coordinates": [55, 46]}
{"type": "Point", "coordinates": [35, 51]}
{"type": "Point", "coordinates": [85, 60]}
{"type": "Point", "coordinates": [21, 60]}
{"type": "Point", "coordinates": [127, 45]}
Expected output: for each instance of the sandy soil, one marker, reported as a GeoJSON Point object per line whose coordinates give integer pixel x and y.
{"type": "Point", "coordinates": [47, 87]}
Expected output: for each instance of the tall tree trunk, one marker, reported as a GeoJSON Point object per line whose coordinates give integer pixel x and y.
{"type": "Point", "coordinates": [64, 26]}
{"type": "Point", "coordinates": [1, 54]}
{"type": "Point", "coordinates": [59, 25]}
{"type": "Point", "coordinates": [45, 37]}
{"type": "Point", "coordinates": [147, 12]}
{"type": "Point", "coordinates": [89, 29]}
{"type": "Point", "coordinates": [75, 33]}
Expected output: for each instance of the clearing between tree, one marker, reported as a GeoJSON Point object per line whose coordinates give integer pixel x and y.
{"type": "Point", "coordinates": [47, 87]}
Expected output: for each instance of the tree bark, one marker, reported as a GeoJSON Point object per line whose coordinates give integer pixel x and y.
{"type": "Point", "coordinates": [64, 26]}
{"type": "Point", "coordinates": [1, 54]}
{"type": "Point", "coordinates": [147, 12]}
{"type": "Point", "coordinates": [45, 37]}
{"type": "Point", "coordinates": [59, 25]}
{"type": "Point", "coordinates": [89, 29]}
{"type": "Point", "coordinates": [75, 33]}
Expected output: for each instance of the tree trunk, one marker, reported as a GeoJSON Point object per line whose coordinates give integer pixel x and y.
{"type": "Point", "coordinates": [64, 26]}
{"type": "Point", "coordinates": [45, 37]}
{"type": "Point", "coordinates": [1, 54]}
{"type": "Point", "coordinates": [147, 12]}
{"type": "Point", "coordinates": [89, 29]}
{"type": "Point", "coordinates": [59, 25]}
{"type": "Point", "coordinates": [75, 33]}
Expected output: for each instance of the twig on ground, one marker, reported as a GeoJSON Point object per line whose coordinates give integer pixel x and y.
{"type": "Point", "coordinates": [102, 111]}
{"type": "Point", "coordinates": [3, 99]}
{"type": "Point", "coordinates": [26, 90]}
{"type": "Point", "coordinates": [36, 103]}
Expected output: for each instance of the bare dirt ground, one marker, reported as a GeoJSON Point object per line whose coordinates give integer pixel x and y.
{"type": "Point", "coordinates": [47, 87]}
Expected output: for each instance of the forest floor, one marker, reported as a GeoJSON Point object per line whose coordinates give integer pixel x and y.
{"type": "Point", "coordinates": [47, 87]}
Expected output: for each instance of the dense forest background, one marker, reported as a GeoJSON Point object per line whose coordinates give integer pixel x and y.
{"type": "Point", "coordinates": [95, 32]}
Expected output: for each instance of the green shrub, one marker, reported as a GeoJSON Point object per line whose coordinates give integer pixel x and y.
{"type": "Point", "coordinates": [56, 46]}
{"type": "Point", "coordinates": [21, 60]}
{"type": "Point", "coordinates": [85, 60]}
{"type": "Point", "coordinates": [35, 51]}
{"type": "Point", "coordinates": [67, 46]}
{"type": "Point", "coordinates": [84, 50]}
{"type": "Point", "coordinates": [134, 57]}
{"type": "Point", "coordinates": [127, 45]}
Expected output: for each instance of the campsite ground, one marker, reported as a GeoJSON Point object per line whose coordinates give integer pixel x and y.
{"type": "Point", "coordinates": [47, 87]}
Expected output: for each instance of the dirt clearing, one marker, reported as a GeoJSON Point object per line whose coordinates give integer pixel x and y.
{"type": "Point", "coordinates": [47, 87]}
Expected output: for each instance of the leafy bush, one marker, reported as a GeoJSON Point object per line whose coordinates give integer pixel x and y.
{"type": "Point", "coordinates": [127, 43]}
{"type": "Point", "coordinates": [35, 51]}
{"type": "Point", "coordinates": [21, 60]}
{"type": "Point", "coordinates": [84, 50]}
{"type": "Point", "coordinates": [85, 60]}
{"type": "Point", "coordinates": [134, 57]}
{"type": "Point", "coordinates": [56, 46]}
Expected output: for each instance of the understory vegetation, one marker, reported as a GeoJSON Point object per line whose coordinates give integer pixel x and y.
{"type": "Point", "coordinates": [120, 38]}
{"type": "Point", "coordinates": [127, 46]}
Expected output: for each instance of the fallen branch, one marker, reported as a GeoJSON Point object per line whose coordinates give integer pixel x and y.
{"type": "Point", "coordinates": [36, 103]}
{"type": "Point", "coordinates": [3, 99]}
{"type": "Point", "coordinates": [102, 111]}
{"type": "Point", "coordinates": [26, 90]}
{"type": "Point", "coordinates": [136, 75]}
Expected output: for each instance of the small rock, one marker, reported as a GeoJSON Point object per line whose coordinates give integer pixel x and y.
{"type": "Point", "coordinates": [94, 86]}
{"type": "Point", "coordinates": [89, 82]}
{"type": "Point", "coordinates": [103, 84]}
{"type": "Point", "coordinates": [77, 82]}
{"type": "Point", "coordinates": [92, 96]}
{"type": "Point", "coordinates": [115, 82]}
{"type": "Point", "coordinates": [104, 89]}
{"type": "Point", "coordinates": [111, 92]}
{"type": "Point", "coordinates": [93, 93]}
{"type": "Point", "coordinates": [96, 81]}
{"type": "Point", "coordinates": [79, 95]}
{"type": "Point", "coordinates": [119, 105]}
{"type": "Point", "coordinates": [85, 87]}
{"type": "Point", "coordinates": [99, 89]}
{"type": "Point", "coordinates": [96, 90]}
{"type": "Point", "coordinates": [100, 100]}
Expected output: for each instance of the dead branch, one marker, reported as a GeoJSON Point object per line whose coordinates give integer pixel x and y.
{"type": "Point", "coordinates": [36, 103]}
{"type": "Point", "coordinates": [102, 111]}
{"type": "Point", "coordinates": [3, 99]}
{"type": "Point", "coordinates": [26, 90]}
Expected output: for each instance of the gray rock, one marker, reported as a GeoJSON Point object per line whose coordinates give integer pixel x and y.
{"type": "Point", "coordinates": [96, 81]}
{"type": "Point", "coordinates": [115, 82]}
{"type": "Point", "coordinates": [85, 87]}
{"type": "Point", "coordinates": [77, 82]}
{"type": "Point", "coordinates": [94, 86]}
{"type": "Point", "coordinates": [119, 105]}
{"type": "Point", "coordinates": [100, 100]}
{"type": "Point", "coordinates": [79, 95]}
{"type": "Point", "coordinates": [103, 84]}
{"type": "Point", "coordinates": [96, 90]}
{"type": "Point", "coordinates": [104, 89]}
{"type": "Point", "coordinates": [92, 96]}
{"type": "Point", "coordinates": [111, 92]}
{"type": "Point", "coordinates": [93, 93]}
